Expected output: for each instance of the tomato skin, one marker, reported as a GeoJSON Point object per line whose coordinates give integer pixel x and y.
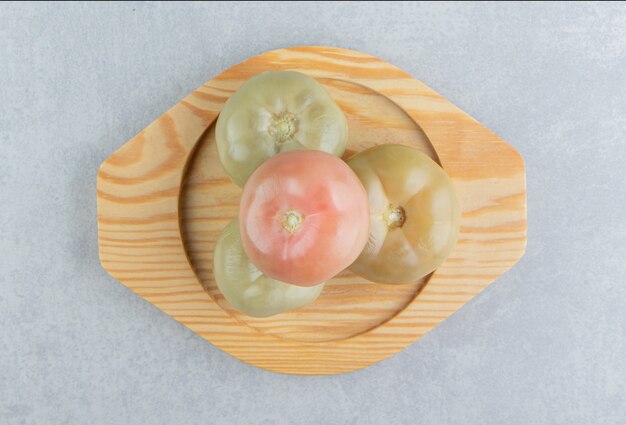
{"type": "Point", "coordinates": [274, 112]}
{"type": "Point", "coordinates": [246, 288]}
{"type": "Point", "coordinates": [414, 213]}
{"type": "Point", "coordinates": [303, 217]}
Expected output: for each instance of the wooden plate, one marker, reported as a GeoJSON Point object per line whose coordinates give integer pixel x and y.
{"type": "Point", "coordinates": [163, 200]}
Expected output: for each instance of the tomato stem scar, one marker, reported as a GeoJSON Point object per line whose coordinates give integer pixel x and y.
{"type": "Point", "coordinates": [282, 127]}
{"type": "Point", "coordinates": [291, 220]}
{"type": "Point", "coordinates": [395, 217]}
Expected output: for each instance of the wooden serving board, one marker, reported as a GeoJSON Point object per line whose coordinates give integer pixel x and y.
{"type": "Point", "coordinates": [163, 200]}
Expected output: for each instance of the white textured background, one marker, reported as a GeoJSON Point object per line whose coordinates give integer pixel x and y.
{"type": "Point", "coordinates": [546, 344]}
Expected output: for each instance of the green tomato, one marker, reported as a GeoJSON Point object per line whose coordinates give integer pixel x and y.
{"type": "Point", "coordinates": [247, 288]}
{"type": "Point", "coordinates": [273, 112]}
{"type": "Point", "coordinates": [414, 214]}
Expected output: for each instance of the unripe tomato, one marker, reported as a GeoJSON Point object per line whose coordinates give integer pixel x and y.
{"type": "Point", "coordinates": [273, 112]}
{"type": "Point", "coordinates": [246, 287]}
{"type": "Point", "coordinates": [414, 214]}
{"type": "Point", "coordinates": [303, 217]}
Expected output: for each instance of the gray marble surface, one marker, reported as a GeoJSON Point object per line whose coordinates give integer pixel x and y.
{"type": "Point", "coordinates": [546, 344]}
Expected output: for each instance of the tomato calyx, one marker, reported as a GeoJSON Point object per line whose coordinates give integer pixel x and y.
{"type": "Point", "coordinates": [394, 217]}
{"type": "Point", "coordinates": [283, 127]}
{"type": "Point", "coordinates": [291, 220]}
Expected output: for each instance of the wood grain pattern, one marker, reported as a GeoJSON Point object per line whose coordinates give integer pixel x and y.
{"type": "Point", "coordinates": [163, 200]}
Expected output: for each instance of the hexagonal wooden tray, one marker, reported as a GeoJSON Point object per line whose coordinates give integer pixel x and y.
{"type": "Point", "coordinates": [163, 200]}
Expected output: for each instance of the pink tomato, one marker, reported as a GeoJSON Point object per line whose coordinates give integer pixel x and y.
{"type": "Point", "coordinates": [304, 217]}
